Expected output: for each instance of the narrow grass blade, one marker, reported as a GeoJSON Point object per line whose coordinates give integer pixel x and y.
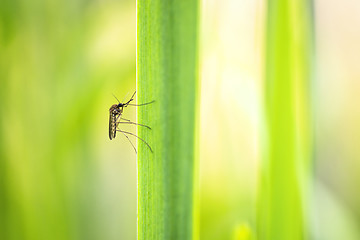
{"type": "Point", "coordinates": [167, 74]}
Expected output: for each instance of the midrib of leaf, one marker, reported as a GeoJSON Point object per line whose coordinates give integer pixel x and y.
{"type": "Point", "coordinates": [166, 73]}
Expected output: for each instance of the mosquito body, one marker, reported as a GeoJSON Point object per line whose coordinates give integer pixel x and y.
{"type": "Point", "coordinates": [115, 118]}
{"type": "Point", "coordinates": [115, 113]}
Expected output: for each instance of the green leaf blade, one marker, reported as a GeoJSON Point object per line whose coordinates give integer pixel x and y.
{"type": "Point", "coordinates": [167, 73]}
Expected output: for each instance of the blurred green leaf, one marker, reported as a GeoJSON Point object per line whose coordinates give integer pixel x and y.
{"type": "Point", "coordinates": [285, 171]}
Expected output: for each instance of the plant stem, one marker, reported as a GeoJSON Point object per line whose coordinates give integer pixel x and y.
{"type": "Point", "coordinates": [167, 73]}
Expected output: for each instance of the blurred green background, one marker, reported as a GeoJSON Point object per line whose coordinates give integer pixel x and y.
{"type": "Point", "coordinates": [232, 84]}
{"type": "Point", "coordinates": [62, 178]}
{"type": "Point", "coordinates": [60, 175]}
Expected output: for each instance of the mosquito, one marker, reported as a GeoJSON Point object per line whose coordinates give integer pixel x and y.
{"type": "Point", "coordinates": [116, 111]}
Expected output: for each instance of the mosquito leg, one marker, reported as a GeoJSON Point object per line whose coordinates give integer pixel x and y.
{"type": "Point", "coordinates": [136, 124]}
{"type": "Point", "coordinates": [125, 97]}
{"type": "Point", "coordinates": [129, 122]}
{"type": "Point", "coordinates": [137, 105]}
{"type": "Point", "coordinates": [117, 118]}
{"type": "Point", "coordinates": [137, 137]}
{"type": "Point", "coordinates": [130, 142]}
{"type": "Point", "coordinates": [132, 98]}
{"type": "Point", "coordinates": [125, 119]}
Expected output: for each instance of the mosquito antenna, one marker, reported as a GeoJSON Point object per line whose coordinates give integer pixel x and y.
{"type": "Point", "coordinates": [137, 105]}
{"type": "Point", "coordinates": [132, 98]}
{"type": "Point", "coordinates": [130, 142]}
{"type": "Point", "coordinates": [137, 137]}
{"type": "Point", "coordinates": [125, 97]}
{"type": "Point", "coordinates": [116, 98]}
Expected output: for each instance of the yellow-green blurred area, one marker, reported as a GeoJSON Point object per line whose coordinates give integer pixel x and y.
{"type": "Point", "coordinates": [232, 116]}
{"type": "Point", "coordinates": [60, 175]}
{"type": "Point", "coordinates": [62, 178]}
